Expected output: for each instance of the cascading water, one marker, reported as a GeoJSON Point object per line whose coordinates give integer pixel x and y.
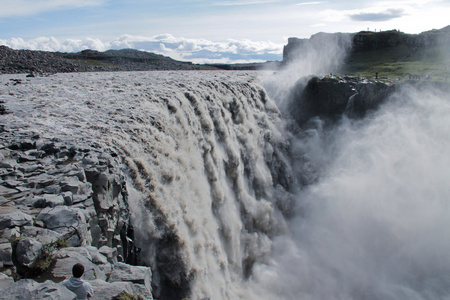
{"type": "Point", "coordinates": [206, 159]}
{"type": "Point", "coordinates": [218, 205]}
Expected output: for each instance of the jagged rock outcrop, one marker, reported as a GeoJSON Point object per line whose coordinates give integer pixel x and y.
{"type": "Point", "coordinates": [330, 98]}
{"type": "Point", "coordinates": [369, 40]}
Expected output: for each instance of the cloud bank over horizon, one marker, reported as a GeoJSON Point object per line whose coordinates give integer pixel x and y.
{"type": "Point", "coordinates": [194, 50]}
{"type": "Point", "coordinates": [202, 31]}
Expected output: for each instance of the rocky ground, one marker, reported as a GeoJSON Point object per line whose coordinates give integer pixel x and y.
{"type": "Point", "coordinates": [42, 62]}
{"type": "Point", "coordinates": [62, 202]}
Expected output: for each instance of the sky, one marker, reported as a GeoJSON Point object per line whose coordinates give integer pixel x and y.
{"type": "Point", "coordinates": [202, 31]}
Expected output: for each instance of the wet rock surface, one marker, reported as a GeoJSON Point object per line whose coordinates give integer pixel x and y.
{"type": "Point", "coordinates": [332, 97]}
{"type": "Point", "coordinates": [63, 202]}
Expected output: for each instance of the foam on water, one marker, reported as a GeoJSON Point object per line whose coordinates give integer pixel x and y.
{"type": "Point", "coordinates": [201, 150]}
{"type": "Point", "coordinates": [206, 154]}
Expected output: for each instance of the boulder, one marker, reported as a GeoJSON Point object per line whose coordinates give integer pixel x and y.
{"type": "Point", "coordinates": [96, 256]}
{"type": "Point", "coordinates": [110, 290]}
{"type": "Point", "coordinates": [30, 289]}
{"type": "Point", "coordinates": [135, 274]}
{"type": "Point", "coordinates": [67, 257]}
{"type": "Point", "coordinates": [10, 218]}
{"type": "Point", "coordinates": [43, 235]}
{"type": "Point", "coordinates": [9, 234]}
{"type": "Point", "coordinates": [5, 282]}
{"type": "Point", "coordinates": [6, 254]}
{"type": "Point", "coordinates": [110, 253]}
{"type": "Point", "coordinates": [48, 200]}
{"type": "Point", "coordinates": [27, 252]}
{"type": "Point", "coordinates": [74, 185]}
{"type": "Point", "coordinates": [69, 222]}
{"type": "Point", "coordinates": [5, 191]}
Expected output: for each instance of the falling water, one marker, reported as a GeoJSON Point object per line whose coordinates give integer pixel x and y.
{"type": "Point", "coordinates": [375, 225]}
{"type": "Point", "coordinates": [219, 210]}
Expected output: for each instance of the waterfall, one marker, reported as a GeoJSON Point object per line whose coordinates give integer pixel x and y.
{"type": "Point", "coordinates": [207, 162]}
{"type": "Point", "coordinates": [231, 200]}
{"type": "Point", "coordinates": [374, 225]}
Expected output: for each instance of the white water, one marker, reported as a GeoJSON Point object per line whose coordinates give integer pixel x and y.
{"type": "Point", "coordinates": [375, 225]}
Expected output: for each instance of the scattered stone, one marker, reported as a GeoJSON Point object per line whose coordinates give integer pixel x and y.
{"type": "Point", "coordinates": [47, 202]}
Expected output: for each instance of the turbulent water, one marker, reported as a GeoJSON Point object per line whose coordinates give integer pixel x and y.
{"type": "Point", "coordinates": [231, 201]}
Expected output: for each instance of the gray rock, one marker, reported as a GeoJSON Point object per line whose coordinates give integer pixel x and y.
{"type": "Point", "coordinates": [9, 234]}
{"type": "Point", "coordinates": [12, 183]}
{"type": "Point", "coordinates": [30, 289]}
{"type": "Point", "coordinates": [52, 189]}
{"type": "Point", "coordinates": [41, 181]}
{"type": "Point", "coordinates": [68, 198]}
{"type": "Point", "coordinates": [5, 192]}
{"type": "Point", "coordinates": [27, 251]}
{"type": "Point", "coordinates": [25, 158]}
{"type": "Point", "coordinates": [5, 282]}
{"type": "Point", "coordinates": [48, 200]}
{"type": "Point", "coordinates": [28, 167]}
{"type": "Point", "coordinates": [67, 221]}
{"type": "Point", "coordinates": [74, 185]}
{"type": "Point", "coordinates": [14, 218]}
{"type": "Point", "coordinates": [6, 165]}
{"type": "Point", "coordinates": [109, 290]}
{"type": "Point", "coordinates": [43, 235]}
{"type": "Point", "coordinates": [57, 217]}
{"type": "Point", "coordinates": [96, 256]}
{"type": "Point", "coordinates": [135, 274]}
{"type": "Point", "coordinates": [6, 254]}
{"type": "Point", "coordinates": [110, 253]}
{"type": "Point", "coordinates": [67, 257]}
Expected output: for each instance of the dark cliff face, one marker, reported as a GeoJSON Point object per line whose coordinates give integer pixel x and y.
{"type": "Point", "coordinates": [332, 98]}
{"type": "Point", "coordinates": [369, 40]}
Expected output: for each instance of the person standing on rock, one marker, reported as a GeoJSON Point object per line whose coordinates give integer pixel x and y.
{"type": "Point", "coordinates": [81, 288]}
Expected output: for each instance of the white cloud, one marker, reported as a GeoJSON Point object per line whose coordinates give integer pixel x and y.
{"type": "Point", "coordinates": [310, 3]}
{"type": "Point", "coordinates": [245, 2]}
{"type": "Point", "coordinates": [194, 50]}
{"type": "Point", "coordinates": [31, 7]}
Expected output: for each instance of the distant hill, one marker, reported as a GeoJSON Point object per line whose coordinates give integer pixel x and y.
{"type": "Point", "coordinates": [28, 61]}
{"type": "Point", "coordinates": [389, 53]}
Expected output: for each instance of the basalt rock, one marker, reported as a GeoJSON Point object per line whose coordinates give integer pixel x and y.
{"type": "Point", "coordinates": [59, 193]}
{"type": "Point", "coordinates": [331, 98]}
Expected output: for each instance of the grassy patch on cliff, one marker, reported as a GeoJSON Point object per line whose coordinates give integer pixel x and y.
{"type": "Point", "coordinates": [401, 62]}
